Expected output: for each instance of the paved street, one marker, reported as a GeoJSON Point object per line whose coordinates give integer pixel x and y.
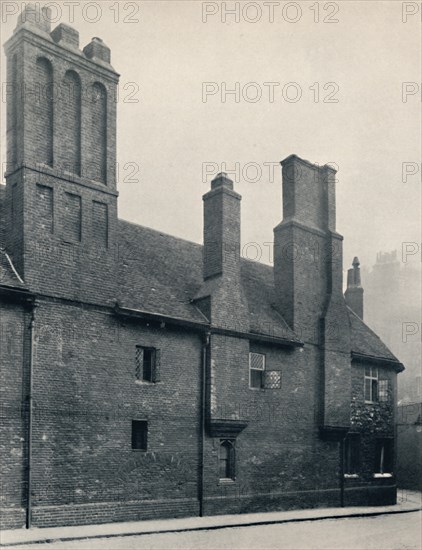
{"type": "Point", "coordinates": [394, 531]}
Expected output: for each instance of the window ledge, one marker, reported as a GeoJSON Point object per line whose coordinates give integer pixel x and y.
{"type": "Point", "coordinates": [351, 476]}
{"type": "Point", "coordinates": [226, 480]}
{"type": "Point", "coordinates": [145, 383]}
{"type": "Point", "coordinates": [382, 475]}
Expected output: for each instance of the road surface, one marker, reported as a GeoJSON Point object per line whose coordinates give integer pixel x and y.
{"type": "Point", "coordinates": [392, 531]}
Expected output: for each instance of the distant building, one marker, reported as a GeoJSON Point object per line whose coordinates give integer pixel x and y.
{"type": "Point", "coordinates": [144, 376]}
{"type": "Point", "coordinates": [393, 309]}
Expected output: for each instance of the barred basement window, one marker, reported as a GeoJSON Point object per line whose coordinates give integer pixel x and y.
{"type": "Point", "coordinates": [226, 459]}
{"type": "Point", "coordinates": [383, 387]}
{"type": "Point", "coordinates": [139, 435]}
{"type": "Point", "coordinates": [352, 454]}
{"type": "Point", "coordinates": [256, 370]}
{"type": "Point", "coordinates": [147, 364]}
{"type": "Point", "coordinates": [371, 384]}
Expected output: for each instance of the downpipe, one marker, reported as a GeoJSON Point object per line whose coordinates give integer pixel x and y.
{"type": "Point", "coordinates": [30, 416]}
{"type": "Point", "coordinates": [205, 346]}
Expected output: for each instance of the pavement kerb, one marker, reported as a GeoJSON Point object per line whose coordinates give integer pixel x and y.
{"type": "Point", "coordinates": [49, 538]}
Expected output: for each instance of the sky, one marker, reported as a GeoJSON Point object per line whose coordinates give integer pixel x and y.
{"type": "Point", "coordinates": [338, 71]}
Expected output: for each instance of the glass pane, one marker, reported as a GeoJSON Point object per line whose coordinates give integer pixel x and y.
{"type": "Point", "coordinates": [374, 390]}
{"type": "Point", "coordinates": [139, 358]}
{"type": "Point", "coordinates": [147, 367]}
{"type": "Point", "coordinates": [256, 378]}
{"type": "Point", "coordinates": [367, 389]}
{"type": "Point", "coordinates": [257, 361]}
{"type": "Point", "coordinates": [139, 434]}
{"type": "Point", "coordinates": [224, 461]}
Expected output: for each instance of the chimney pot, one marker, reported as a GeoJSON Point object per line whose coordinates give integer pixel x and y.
{"type": "Point", "coordinates": [36, 16]}
{"type": "Point", "coordinates": [354, 291]}
{"type": "Point", "coordinates": [97, 50]}
{"type": "Point", "coordinates": [65, 34]}
{"type": "Point", "coordinates": [222, 180]}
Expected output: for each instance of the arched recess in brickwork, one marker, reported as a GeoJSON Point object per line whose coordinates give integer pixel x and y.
{"type": "Point", "coordinates": [99, 132]}
{"type": "Point", "coordinates": [44, 112]}
{"type": "Point", "coordinates": [70, 132]}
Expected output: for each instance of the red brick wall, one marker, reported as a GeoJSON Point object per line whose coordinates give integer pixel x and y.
{"type": "Point", "coordinates": [85, 398]}
{"type": "Point", "coordinates": [13, 391]}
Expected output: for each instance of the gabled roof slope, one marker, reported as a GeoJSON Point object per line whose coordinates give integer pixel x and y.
{"type": "Point", "coordinates": [2, 214]}
{"type": "Point", "coordinates": [366, 342]}
{"type": "Point", "coordinates": [161, 274]}
{"type": "Point", "coordinates": [8, 275]}
{"type": "Point", "coordinates": [158, 273]}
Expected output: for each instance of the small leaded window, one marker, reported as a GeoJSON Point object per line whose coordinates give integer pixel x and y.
{"type": "Point", "coordinates": [147, 361]}
{"type": "Point", "coordinates": [383, 390]}
{"type": "Point", "coordinates": [272, 380]}
{"type": "Point", "coordinates": [256, 370]}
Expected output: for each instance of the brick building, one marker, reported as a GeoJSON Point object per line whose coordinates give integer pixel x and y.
{"type": "Point", "coordinates": [146, 376]}
{"type": "Point", "coordinates": [398, 320]}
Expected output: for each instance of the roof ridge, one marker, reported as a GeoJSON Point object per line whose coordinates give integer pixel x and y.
{"type": "Point", "coordinates": [163, 233]}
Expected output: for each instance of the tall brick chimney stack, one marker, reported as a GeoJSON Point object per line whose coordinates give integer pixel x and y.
{"type": "Point", "coordinates": [221, 296]}
{"type": "Point", "coordinates": [221, 299]}
{"type": "Point", "coordinates": [308, 276]}
{"type": "Point", "coordinates": [61, 157]}
{"type": "Point", "coordinates": [307, 249]}
{"type": "Point", "coordinates": [354, 292]}
{"type": "Point", "coordinates": [221, 228]}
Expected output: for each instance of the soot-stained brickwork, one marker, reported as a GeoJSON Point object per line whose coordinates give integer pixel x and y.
{"type": "Point", "coordinates": [146, 376]}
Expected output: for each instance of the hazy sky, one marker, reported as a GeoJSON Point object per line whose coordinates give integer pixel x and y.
{"type": "Point", "coordinates": [169, 51]}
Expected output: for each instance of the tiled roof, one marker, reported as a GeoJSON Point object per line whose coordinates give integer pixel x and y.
{"type": "Point", "coordinates": [8, 276]}
{"type": "Point", "coordinates": [2, 213]}
{"type": "Point", "coordinates": [162, 274]}
{"type": "Point", "coordinates": [158, 273]}
{"type": "Point", "coordinates": [365, 342]}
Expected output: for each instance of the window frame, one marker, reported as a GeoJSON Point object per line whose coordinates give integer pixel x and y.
{"type": "Point", "coordinates": [380, 462]}
{"type": "Point", "coordinates": [139, 423]}
{"type": "Point", "coordinates": [261, 371]}
{"type": "Point", "coordinates": [383, 390]}
{"type": "Point", "coordinates": [373, 379]}
{"type": "Point", "coordinates": [352, 455]}
{"type": "Point", "coordinates": [229, 461]}
{"type": "Point", "coordinates": [140, 377]}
